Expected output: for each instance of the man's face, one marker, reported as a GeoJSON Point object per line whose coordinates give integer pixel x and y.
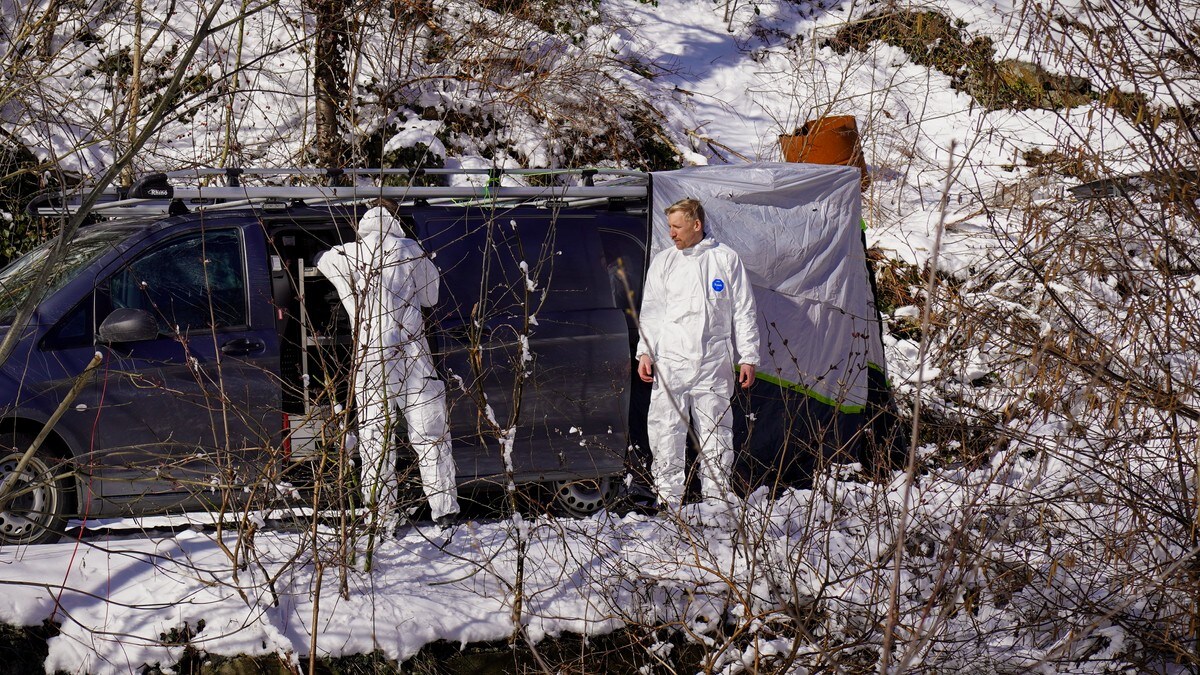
{"type": "Point", "coordinates": [685, 232]}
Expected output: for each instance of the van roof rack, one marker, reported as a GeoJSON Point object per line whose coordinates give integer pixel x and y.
{"type": "Point", "coordinates": [178, 192]}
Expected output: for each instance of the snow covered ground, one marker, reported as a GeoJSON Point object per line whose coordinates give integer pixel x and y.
{"type": "Point", "coordinates": [745, 586]}
{"type": "Point", "coordinates": [582, 576]}
{"type": "Point", "coordinates": [1067, 548]}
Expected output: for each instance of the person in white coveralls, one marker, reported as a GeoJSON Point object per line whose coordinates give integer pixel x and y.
{"type": "Point", "coordinates": [697, 320]}
{"type": "Point", "coordinates": [383, 280]}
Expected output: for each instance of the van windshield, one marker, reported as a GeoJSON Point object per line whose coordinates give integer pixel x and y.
{"type": "Point", "coordinates": [16, 280]}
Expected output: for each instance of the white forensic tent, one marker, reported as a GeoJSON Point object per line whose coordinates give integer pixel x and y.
{"type": "Point", "coordinates": [798, 230]}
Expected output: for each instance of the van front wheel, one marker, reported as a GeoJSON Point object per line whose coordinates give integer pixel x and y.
{"type": "Point", "coordinates": [33, 503]}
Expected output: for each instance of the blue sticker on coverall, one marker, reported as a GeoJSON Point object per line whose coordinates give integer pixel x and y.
{"type": "Point", "coordinates": [718, 285]}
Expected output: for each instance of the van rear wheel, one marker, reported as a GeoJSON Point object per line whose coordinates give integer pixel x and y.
{"type": "Point", "coordinates": [34, 502]}
{"type": "Point", "coordinates": [581, 498]}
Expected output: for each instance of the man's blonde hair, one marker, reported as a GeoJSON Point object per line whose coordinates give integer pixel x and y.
{"type": "Point", "coordinates": [691, 208]}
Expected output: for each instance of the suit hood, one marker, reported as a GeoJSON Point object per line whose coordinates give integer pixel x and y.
{"type": "Point", "coordinates": [377, 222]}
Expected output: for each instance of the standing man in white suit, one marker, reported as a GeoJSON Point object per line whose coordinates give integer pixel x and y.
{"type": "Point", "coordinates": [698, 320]}
{"type": "Point", "coordinates": [383, 280]}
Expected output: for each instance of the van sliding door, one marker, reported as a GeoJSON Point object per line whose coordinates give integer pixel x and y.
{"type": "Point", "coordinates": [530, 341]}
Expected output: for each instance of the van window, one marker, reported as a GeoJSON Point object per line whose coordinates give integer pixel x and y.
{"type": "Point", "coordinates": [75, 329]}
{"type": "Point", "coordinates": [556, 258]}
{"type": "Point", "coordinates": [194, 282]}
{"type": "Point", "coordinates": [553, 261]}
{"type": "Point", "coordinates": [17, 278]}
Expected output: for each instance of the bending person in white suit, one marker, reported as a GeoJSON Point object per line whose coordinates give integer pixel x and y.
{"type": "Point", "coordinates": [383, 280]}
{"type": "Point", "coordinates": [697, 311]}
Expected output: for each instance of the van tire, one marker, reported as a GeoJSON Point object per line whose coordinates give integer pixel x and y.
{"type": "Point", "coordinates": [582, 498]}
{"type": "Point", "coordinates": [38, 500]}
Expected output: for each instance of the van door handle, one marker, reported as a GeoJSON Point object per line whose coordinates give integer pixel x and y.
{"type": "Point", "coordinates": [242, 347]}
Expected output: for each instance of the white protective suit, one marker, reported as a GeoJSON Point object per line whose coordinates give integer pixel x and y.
{"type": "Point", "coordinates": [383, 280]}
{"type": "Point", "coordinates": [697, 311]}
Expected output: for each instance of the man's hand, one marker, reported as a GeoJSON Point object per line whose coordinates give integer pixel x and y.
{"type": "Point", "coordinates": [645, 368]}
{"type": "Point", "coordinates": [746, 376]}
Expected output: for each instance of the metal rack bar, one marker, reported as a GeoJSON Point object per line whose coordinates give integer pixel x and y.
{"type": "Point", "coordinates": [406, 192]}
{"type": "Point", "coordinates": [154, 194]}
{"type": "Point", "coordinates": [265, 171]}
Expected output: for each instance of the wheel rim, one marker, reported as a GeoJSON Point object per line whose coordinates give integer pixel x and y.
{"type": "Point", "coordinates": [35, 504]}
{"type": "Point", "coordinates": [582, 497]}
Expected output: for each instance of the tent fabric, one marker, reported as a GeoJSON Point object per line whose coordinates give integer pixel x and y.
{"type": "Point", "coordinates": [797, 228]}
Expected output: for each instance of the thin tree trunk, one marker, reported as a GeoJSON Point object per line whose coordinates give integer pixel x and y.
{"type": "Point", "coordinates": [329, 78]}
{"type": "Point", "coordinates": [135, 88]}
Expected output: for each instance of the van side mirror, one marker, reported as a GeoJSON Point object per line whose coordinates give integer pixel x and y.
{"type": "Point", "coordinates": [128, 325]}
